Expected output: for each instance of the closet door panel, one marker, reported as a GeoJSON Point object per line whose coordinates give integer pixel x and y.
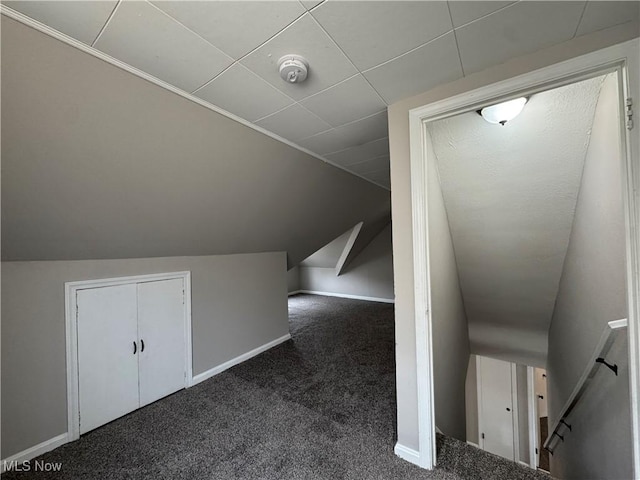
{"type": "Point", "coordinates": [161, 327]}
{"type": "Point", "coordinates": [107, 365]}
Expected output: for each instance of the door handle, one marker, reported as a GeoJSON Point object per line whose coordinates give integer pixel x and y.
{"type": "Point", "coordinates": [141, 345]}
{"type": "Point", "coordinates": [135, 348]}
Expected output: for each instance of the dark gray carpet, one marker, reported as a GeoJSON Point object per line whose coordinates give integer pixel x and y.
{"type": "Point", "coordinates": [321, 406]}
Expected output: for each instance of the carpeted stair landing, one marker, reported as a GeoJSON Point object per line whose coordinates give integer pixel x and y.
{"type": "Point", "coordinates": [321, 406]}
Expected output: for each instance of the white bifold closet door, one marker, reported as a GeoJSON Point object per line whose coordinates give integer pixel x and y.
{"type": "Point", "coordinates": [131, 348]}
{"type": "Point", "coordinates": [162, 345]}
{"type": "Point", "coordinates": [108, 360]}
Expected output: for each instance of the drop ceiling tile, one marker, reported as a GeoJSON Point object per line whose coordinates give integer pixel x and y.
{"type": "Point", "coordinates": [326, 142]}
{"type": "Point", "coordinates": [376, 164]}
{"type": "Point", "coordinates": [293, 123]}
{"type": "Point", "coordinates": [81, 20]}
{"type": "Point", "coordinates": [366, 130]}
{"type": "Point", "coordinates": [468, 11]}
{"type": "Point", "coordinates": [373, 32]}
{"type": "Point", "coordinates": [327, 64]}
{"type": "Point", "coordinates": [241, 92]}
{"type": "Point", "coordinates": [600, 15]}
{"type": "Point", "coordinates": [236, 28]}
{"type": "Point", "coordinates": [517, 30]}
{"type": "Point", "coordinates": [346, 102]}
{"type": "Point", "coordinates": [144, 37]}
{"type": "Point", "coordinates": [430, 65]}
{"type": "Point", "coordinates": [358, 154]}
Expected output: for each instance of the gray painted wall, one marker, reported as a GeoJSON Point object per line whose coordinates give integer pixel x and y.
{"type": "Point", "coordinates": [293, 279]}
{"type": "Point", "coordinates": [225, 325]}
{"type": "Point", "coordinates": [449, 322]}
{"type": "Point", "coordinates": [406, 374]}
{"type": "Point", "coordinates": [592, 292]}
{"type": "Point", "coordinates": [370, 274]}
{"type": "Point", "coordinates": [125, 169]}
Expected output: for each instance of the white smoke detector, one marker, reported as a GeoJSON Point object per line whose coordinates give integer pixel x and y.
{"type": "Point", "coordinates": [293, 68]}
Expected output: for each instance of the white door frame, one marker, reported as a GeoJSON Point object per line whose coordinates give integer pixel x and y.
{"type": "Point", "coordinates": [623, 58]}
{"type": "Point", "coordinates": [532, 418]}
{"type": "Point", "coordinates": [71, 320]}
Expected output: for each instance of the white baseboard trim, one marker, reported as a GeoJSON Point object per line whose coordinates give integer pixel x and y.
{"type": "Point", "coordinates": [201, 377]}
{"type": "Point", "coordinates": [473, 444]}
{"type": "Point", "coordinates": [524, 464]}
{"type": "Point", "coordinates": [406, 453]}
{"type": "Point", "coordinates": [33, 452]}
{"type": "Point", "coordinates": [345, 295]}
{"type": "Point", "coordinates": [295, 292]}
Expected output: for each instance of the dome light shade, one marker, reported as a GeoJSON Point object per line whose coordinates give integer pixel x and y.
{"type": "Point", "coordinates": [503, 112]}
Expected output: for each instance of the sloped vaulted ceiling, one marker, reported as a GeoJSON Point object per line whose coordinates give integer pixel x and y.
{"type": "Point", "coordinates": [510, 194]}
{"type": "Point", "coordinates": [98, 163]}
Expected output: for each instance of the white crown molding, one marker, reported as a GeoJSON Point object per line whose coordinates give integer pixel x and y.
{"type": "Point", "coordinates": [41, 27]}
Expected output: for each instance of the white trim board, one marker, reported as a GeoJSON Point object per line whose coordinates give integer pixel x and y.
{"type": "Point", "coordinates": [622, 58]}
{"type": "Point", "coordinates": [71, 330]}
{"type": "Point", "coordinates": [295, 292]}
{"type": "Point", "coordinates": [346, 295]}
{"type": "Point", "coordinates": [515, 412]}
{"type": "Point", "coordinates": [201, 377]}
{"type": "Point", "coordinates": [33, 452]}
{"type": "Point", "coordinates": [47, 30]}
{"type": "Point", "coordinates": [406, 453]}
{"type": "Point", "coordinates": [469, 442]}
{"type": "Point", "coordinates": [532, 418]}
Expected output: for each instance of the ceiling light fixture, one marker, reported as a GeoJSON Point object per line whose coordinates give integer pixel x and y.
{"type": "Point", "coordinates": [503, 112]}
{"type": "Point", "coordinates": [293, 68]}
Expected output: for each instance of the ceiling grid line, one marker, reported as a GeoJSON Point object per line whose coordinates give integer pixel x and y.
{"type": "Point", "coordinates": [408, 52]}
{"type": "Point", "coordinates": [346, 125]}
{"type": "Point", "coordinates": [347, 57]}
{"type": "Point", "coordinates": [512, 4]}
{"type": "Point", "coordinates": [455, 37]}
{"type": "Point", "coordinates": [239, 60]}
{"type": "Point", "coordinates": [189, 29]}
{"type": "Point", "coordinates": [584, 9]}
{"type": "Point", "coordinates": [113, 12]}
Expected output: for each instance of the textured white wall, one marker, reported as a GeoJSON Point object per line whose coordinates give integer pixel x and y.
{"type": "Point", "coordinates": [449, 322]}
{"type": "Point", "coordinates": [510, 193]}
{"type": "Point", "coordinates": [593, 292]}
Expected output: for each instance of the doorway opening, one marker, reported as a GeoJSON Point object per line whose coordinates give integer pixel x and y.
{"type": "Point", "coordinates": [530, 349]}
